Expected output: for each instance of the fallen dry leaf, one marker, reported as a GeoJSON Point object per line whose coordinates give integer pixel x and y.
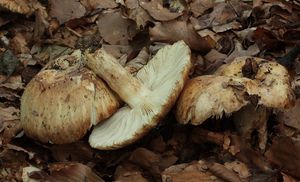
{"type": "Point", "coordinates": [193, 172]}
{"type": "Point", "coordinates": [240, 168]}
{"type": "Point", "coordinates": [198, 7]}
{"type": "Point", "coordinates": [69, 172]}
{"type": "Point", "coordinates": [284, 153]}
{"type": "Point", "coordinates": [173, 31]}
{"type": "Point", "coordinates": [9, 114]}
{"type": "Point", "coordinates": [137, 13]}
{"type": "Point", "coordinates": [115, 29]}
{"type": "Point", "coordinates": [291, 116]}
{"type": "Point", "coordinates": [222, 172]}
{"type": "Point", "coordinates": [66, 10]}
{"type": "Point", "coordinates": [129, 173]}
{"type": "Point", "coordinates": [147, 160]}
{"type": "Point", "coordinates": [91, 5]}
{"type": "Point", "coordinates": [157, 11]}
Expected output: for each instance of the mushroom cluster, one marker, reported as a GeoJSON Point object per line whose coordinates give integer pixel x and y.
{"type": "Point", "coordinates": [66, 99]}
{"type": "Point", "coordinates": [246, 87]}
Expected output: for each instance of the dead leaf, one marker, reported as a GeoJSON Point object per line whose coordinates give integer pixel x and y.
{"type": "Point", "coordinates": [240, 168]}
{"type": "Point", "coordinates": [213, 60]}
{"type": "Point", "coordinates": [158, 144]}
{"type": "Point", "coordinates": [115, 29]}
{"type": "Point", "coordinates": [91, 5]}
{"type": "Point", "coordinates": [134, 65]}
{"type": "Point", "coordinates": [9, 114]}
{"type": "Point", "coordinates": [239, 51]}
{"type": "Point", "coordinates": [66, 10]}
{"type": "Point", "coordinates": [19, 44]}
{"type": "Point", "coordinates": [284, 153]}
{"type": "Point", "coordinates": [20, 149]}
{"type": "Point", "coordinates": [147, 160]}
{"type": "Point", "coordinates": [68, 172]}
{"type": "Point", "coordinates": [136, 13]}
{"type": "Point", "coordinates": [192, 172]}
{"type": "Point", "coordinates": [78, 152]}
{"type": "Point", "coordinates": [13, 82]}
{"type": "Point", "coordinates": [173, 31]}
{"type": "Point", "coordinates": [157, 11]}
{"type": "Point", "coordinates": [291, 116]}
{"type": "Point", "coordinates": [129, 173]}
{"type": "Point", "coordinates": [198, 7]}
{"type": "Point", "coordinates": [222, 172]}
{"type": "Point", "coordinates": [8, 63]}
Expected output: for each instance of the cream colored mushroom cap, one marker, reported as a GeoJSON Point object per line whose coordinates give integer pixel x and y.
{"type": "Point", "coordinates": [272, 79]}
{"type": "Point", "coordinates": [209, 96]}
{"type": "Point", "coordinates": [164, 76]}
{"type": "Point", "coordinates": [59, 106]}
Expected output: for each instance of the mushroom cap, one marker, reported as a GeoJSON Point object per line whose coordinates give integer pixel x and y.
{"type": "Point", "coordinates": [272, 79]}
{"type": "Point", "coordinates": [212, 96]}
{"type": "Point", "coordinates": [268, 85]}
{"type": "Point", "coordinates": [59, 106]}
{"type": "Point", "coordinates": [164, 76]}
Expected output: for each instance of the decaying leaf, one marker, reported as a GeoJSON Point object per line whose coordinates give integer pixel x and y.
{"type": "Point", "coordinates": [198, 7]}
{"type": "Point", "coordinates": [193, 172]}
{"type": "Point", "coordinates": [95, 4]}
{"type": "Point", "coordinates": [157, 11]}
{"type": "Point", "coordinates": [66, 10]}
{"type": "Point", "coordinates": [68, 172]}
{"type": "Point", "coordinates": [115, 29]}
{"type": "Point", "coordinates": [173, 31]}
{"type": "Point", "coordinates": [129, 173]}
{"type": "Point", "coordinates": [137, 13]}
{"type": "Point", "coordinates": [284, 153]}
{"type": "Point", "coordinates": [291, 116]}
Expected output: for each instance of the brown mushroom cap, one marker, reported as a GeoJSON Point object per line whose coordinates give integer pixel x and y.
{"type": "Point", "coordinates": [245, 80]}
{"type": "Point", "coordinates": [212, 96]}
{"type": "Point", "coordinates": [60, 106]}
{"type": "Point", "coordinates": [272, 79]}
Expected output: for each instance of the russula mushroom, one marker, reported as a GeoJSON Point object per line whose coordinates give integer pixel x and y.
{"type": "Point", "coordinates": [149, 95]}
{"type": "Point", "coordinates": [63, 101]}
{"type": "Point", "coordinates": [212, 96]}
{"type": "Point", "coordinates": [255, 83]}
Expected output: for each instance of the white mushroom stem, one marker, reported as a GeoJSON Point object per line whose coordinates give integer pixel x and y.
{"type": "Point", "coordinates": [129, 88]}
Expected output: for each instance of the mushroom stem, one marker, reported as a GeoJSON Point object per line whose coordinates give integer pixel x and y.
{"type": "Point", "coordinates": [129, 88]}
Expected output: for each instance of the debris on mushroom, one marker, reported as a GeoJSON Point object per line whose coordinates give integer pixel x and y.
{"type": "Point", "coordinates": [212, 96]}
{"type": "Point", "coordinates": [275, 91]}
{"type": "Point", "coordinates": [272, 79]}
{"type": "Point", "coordinates": [255, 83]}
{"type": "Point", "coordinates": [149, 95]}
{"type": "Point", "coordinates": [64, 100]}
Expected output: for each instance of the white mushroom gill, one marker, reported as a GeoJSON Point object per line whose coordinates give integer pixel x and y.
{"type": "Point", "coordinates": [164, 77]}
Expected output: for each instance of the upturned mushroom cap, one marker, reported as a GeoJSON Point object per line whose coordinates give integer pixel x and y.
{"type": "Point", "coordinates": [212, 96]}
{"type": "Point", "coordinates": [149, 96]}
{"type": "Point", "coordinates": [273, 79]}
{"type": "Point", "coordinates": [60, 105]}
{"type": "Point", "coordinates": [243, 81]}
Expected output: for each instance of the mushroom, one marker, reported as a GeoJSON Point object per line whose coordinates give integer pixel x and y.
{"type": "Point", "coordinates": [149, 95]}
{"type": "Point", "coordinates": [247, 85]}
{"type": "Point", "coordinates": [64, 100]}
